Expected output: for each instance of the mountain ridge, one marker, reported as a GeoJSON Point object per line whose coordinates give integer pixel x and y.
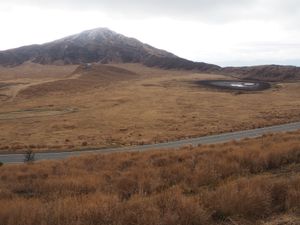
{"type": "Point", "coordinates": [102, 45]}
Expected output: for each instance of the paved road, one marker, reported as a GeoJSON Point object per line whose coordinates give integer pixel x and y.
{"type": "Point", "coordinates": [225, 137]}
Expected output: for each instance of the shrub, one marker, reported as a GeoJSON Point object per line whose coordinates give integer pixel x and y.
{"type": "Point", "coordinates": [29, 156]}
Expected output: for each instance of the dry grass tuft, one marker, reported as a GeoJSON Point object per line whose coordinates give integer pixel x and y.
{"type": "Point", "coordinates": [233, 183]}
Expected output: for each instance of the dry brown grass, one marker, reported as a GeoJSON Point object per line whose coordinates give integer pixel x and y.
{"type": "Point", "coordinates": [247, 182]}
{"type": "Point", "coordinates": [147, 106]}
{"type": "Point", "coordinates": [14, 80]}
{"type": "Point", "coordinates": [35, 71]}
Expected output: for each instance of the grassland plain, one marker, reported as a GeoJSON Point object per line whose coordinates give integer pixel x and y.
{"type": "Point", "coordinates": [247, 182]}
{"type": "Point", "coordinates": [128, 104]}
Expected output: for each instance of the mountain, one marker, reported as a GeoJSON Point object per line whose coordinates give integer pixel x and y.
{"type": "Point", "coordinates": [104, 46]}
{"type": "Point", "coordinates": [98, 45]}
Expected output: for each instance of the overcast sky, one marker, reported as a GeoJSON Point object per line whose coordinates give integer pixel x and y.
{"type": "Point", "coordinates": [223, 32]}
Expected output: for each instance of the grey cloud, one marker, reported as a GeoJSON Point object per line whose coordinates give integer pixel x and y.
{"type": "Point", "coordinates": [284, 16]}
{"type": "Point", "coordinates": [214, 10]}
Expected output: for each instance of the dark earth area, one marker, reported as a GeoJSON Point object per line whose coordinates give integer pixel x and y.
{"type": "Point", "coordinates": [235, 85]}
{"type": "Point", "coordinates": [3, 85]}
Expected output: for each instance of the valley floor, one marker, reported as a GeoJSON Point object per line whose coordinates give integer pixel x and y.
{"type": "Point", "coordinates": [64, 108]}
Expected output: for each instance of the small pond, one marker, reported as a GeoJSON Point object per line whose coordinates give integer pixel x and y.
{"type": "Point", "coordinates": [236, 85]}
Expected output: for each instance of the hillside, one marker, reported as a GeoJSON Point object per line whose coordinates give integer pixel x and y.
{"type": "Point", "coordinates": [180, 64]}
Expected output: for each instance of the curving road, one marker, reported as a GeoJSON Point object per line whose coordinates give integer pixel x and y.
{"type": "Point", "coordinates": [212, 139]}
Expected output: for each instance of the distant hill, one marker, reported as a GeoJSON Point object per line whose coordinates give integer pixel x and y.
{"type": "Point", "coordinates": [264, 73]}
{"type": "Point", "coordinates": [97, 46]}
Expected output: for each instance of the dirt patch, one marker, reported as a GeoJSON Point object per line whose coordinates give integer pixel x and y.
{"type": "Point", "coordinates": [35, 112]}
{"type": "Point", "coordinates": [236, 85]}
{"type": "Point", "coordinates": [2, 85]}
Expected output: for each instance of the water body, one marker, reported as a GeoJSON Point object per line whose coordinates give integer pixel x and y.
{"type": "Point", "coordinates": [235, 85]}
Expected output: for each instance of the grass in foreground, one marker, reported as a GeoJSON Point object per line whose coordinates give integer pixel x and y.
{"type": "Point", "coordinates": [248, 182]}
